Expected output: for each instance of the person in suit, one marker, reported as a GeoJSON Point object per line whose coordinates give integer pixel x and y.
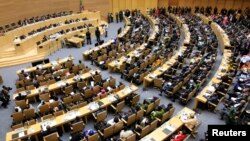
{"type": "Point", "coordinates": [88, 37]}
{"type": "Point", "coordinates": [98, 34]}
{"type": "Point", "coordinates": [48, 131]}
{"type": "Point", "coordinates": [20, 97]}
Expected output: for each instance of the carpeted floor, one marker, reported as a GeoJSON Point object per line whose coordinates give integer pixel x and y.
{"type": "Point", "coordinates": [9, 76]}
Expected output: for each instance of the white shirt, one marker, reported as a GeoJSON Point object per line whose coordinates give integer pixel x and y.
{"type": "Point", "coordinates": [17, 40]}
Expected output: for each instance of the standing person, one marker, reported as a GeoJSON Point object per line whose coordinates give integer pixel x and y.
{"type": "Point", "coordinates": [116, 17]}
{"type": "Point", "coordinates": [106, 30]}
{"type": "Point", "coordinates": [97, 34]}
{"type": "Point", "coordinates": [120, 16]}
{"type": "Point", "coordinates": [88, 37]}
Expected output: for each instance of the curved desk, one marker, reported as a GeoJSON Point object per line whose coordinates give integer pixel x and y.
{"type": "Point", "coordinates": [160, 70]}
{"type": "Point", "coordinates": [223, 68]}
{"type": "Point", "coordinates": [167, 129]}
{"type": "Point", "coordinates": [122, 34]}
{"type": "Point", "coordinates": [33, 130]}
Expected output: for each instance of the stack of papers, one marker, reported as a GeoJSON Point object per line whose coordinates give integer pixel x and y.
{"type": "Point", "coordinates": [77, 78]}
{"type": "Point", "coordinates": [61, 83]}
{"type": "Point", "coordinates": [72, 115]}
{"type": "Point", "coordinates": [93, 106]}
{"type": "Point", "coordinates": [169, 127]}
{"type": "Point", "coordinates": [46, 123]}
{"type": "Point", "coordinates": [54, 63]}
{"type": "Point", "coordinates": [111, 98]}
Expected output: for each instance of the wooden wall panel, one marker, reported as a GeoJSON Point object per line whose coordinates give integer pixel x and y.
{"type": "Point", "coordinates": [246, 3]}
{"type": "Point", "coordinates": [162, 3]}
{"type": "Point", "coordinates": [97, 5]}
{"type": "Point", "coordinates": [142, 5]}
{"type": "Point", "coordinates": [129, 4]}
{"type": "Point", "coordinates": [212, 3]}
{"type": "Point", "coordinates": [229, 4]}
{"type": "Point", "coordinates": [134, 4]}
{"type": "Point", "coordinates": [238, 4]}
{"type": "Point", "coordinates": [173, 2]}
{"type": "Point", "coordinates": [122, 4]}
{"type": "Point", "coordinates": [14, 10]}
{"type": "Point", "coordinates": [235, 4]}
{"type": "Point", "coordinates": [204, 3]}
{"type": "Point", "coordinates": [221, 4]}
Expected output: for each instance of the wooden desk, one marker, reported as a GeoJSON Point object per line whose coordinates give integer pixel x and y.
{"type": "Point", "coordinates": [208, 90]}
{"type": "Point", "coordinates": [77, 41]}
{"type": "Point", "coordinates": [155, 26]}
{"type": "Point", "coordinates": [148, 79]}
{"type": "Point", "coordinates": [116, 64]}
{"type": "Point", "coordinates": [8, 38]}
{"type": "Point", "coordinates": [57, 85]}
{"type": "Point", "coordinates": [88, 52]}
{"type": "Point", "coordinates": [45, 66]}
{"type": "Point", "coordinates": [126, 29]}
{"type": "Point", "coordinates": [122, 34]}
{"type": "Point", "coordinates": [183, 26]}
{"type": "Point", "coordinates": [168, 128]}
{"type": "Point", "coordinates": [70, 115]}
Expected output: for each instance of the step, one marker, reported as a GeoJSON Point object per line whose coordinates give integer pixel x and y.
{"type": "Point", "coordinates": [22, 60]}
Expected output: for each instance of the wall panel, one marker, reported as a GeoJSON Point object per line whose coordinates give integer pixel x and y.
{"type": "Point", "coordinates": [14, 10]}
{"type": "Point", "coordinates": [246, 3]}
{"type": "Point", "coordinates": [122, 4]}
{"type": "Point", "coordinates": [163, 3]}
{"type": "Point", "coordinates": [129, 4]}
{"type": "Point", "coordinates": [134, 4]}
{"type": "Point", "coordinates": [235, 4]}
{"type": "Point", "coordinates": [142, 5]}
{"type": "Point", "coordinates": [229, 4]}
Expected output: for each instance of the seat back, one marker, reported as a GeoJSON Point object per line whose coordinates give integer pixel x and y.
{"type": "Point", "coordinates": [29, 113]}
{"type": "Point", "coordinates": [94, 137]}
{"type": "Point", "coordinates": [153, 125]}
{"type": "Point", "coordinates": [45, 97]}
{"type": "Point", "coordinates": [171, 112]}
{"type": "Point", "coordinates": [118, 127]}
{"type": "Point", "coordinates": [80, 85]}
{"type": "Point", "coordinates": [120, 106]}
{"type": "Point", "coordinates": [158, 83]}
{"type": "Point", "coordinates": [131, 138]}
{"type": "Point", "coordinates": [109, 131]}
{"type": "Point", "coordinates": [77, 127]}
{"type": "Point", "coordinates": [67, 100]}
{"type": "Point", "coordinates": [101, 116]}
{"type": "Point", "coordinates": [17, 117]}
{"type": "Point", "coordinates": [46, 117]}
{"type": "Point", "coordinates": [135, 99]}
{"type": "Point", "coordinates": [150, 108]}
{"type": "Point", "coordinates": [68, 89]}
{"type": "Point", "coordinates": [14, 127]}
{"type": "Point", "coordinates": [44, 109]}
{"type": "Point", "coordinates": [139, 114]}
{"type": "Point", "coordinates": [54, 104]}
{"type": "Point", "coordinates": [51, 137]}
{"type": "Point", "coordinates": [21, 103]}
{"type": "Point", "coordinates": [112, 82]}
{"type": "Point", "coordinates": [157, 102]}
{"type": "Point", "coordinates": [58, 113]}
{"type": "Point", "coordinates": [131, 119]}
{"type": "Point", "coordinates": [145, 131]}
{"type": "Point", "coordinates": [76, 97]}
